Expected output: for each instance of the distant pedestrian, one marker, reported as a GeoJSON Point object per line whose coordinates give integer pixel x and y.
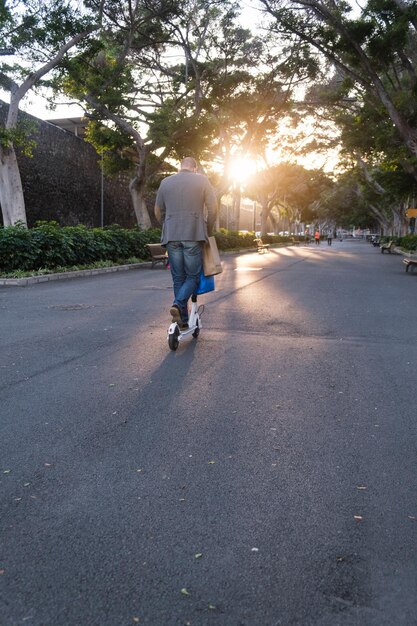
{"type": "Point", "coordinates": [329, 237]}
{"type": "Point", "coordinates": [317, 237]}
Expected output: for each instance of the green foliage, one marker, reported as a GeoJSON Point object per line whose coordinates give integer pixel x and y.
{"type": "Point", "coordinates": [116, 147]}
{"type": "Point", "coordinates": [49, 246]}
{"type": "Point", "coordinates": [19, 136]}
{"type": "Point", "coordinates": [409, 242]}
{"type": "Point", "coordinates": [233, 240]}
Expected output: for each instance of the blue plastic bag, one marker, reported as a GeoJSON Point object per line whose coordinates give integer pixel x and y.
{"type": "Point", "coordinates": [206, 284]}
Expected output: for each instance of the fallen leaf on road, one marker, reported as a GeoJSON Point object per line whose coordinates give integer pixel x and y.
{"type": "Point", "coordinates": [136, 620]}
{"type": "Point", "coordinates": [185, 592]}
{"type": "Point", "coordinates": [358, 517]}
{"type": "Point", "coordinates": [198, 555]}
{"type": "Point", "coordinates": [211, 462]}
{"type": "Point", "coordinates": [255, 550]}
{"type": "Point", "coordinates": [211, 606]}
{"type": "Point", "coordinates": [7, 471]}
{"type": "Point", "coordinates": [361, 488]}
{"type": "Point", "coordinates": [412, 517]}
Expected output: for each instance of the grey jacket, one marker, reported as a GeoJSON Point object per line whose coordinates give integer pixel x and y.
{"type": "Point", "coordinates": [182, 200]}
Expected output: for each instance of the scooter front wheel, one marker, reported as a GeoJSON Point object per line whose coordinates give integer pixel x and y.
{"type": "Point", "coordinates": [173, 340]}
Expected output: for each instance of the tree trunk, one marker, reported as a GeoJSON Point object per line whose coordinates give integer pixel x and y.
{"type": "Point", "coordinates": [234, 222]}
{"type": "Point", "coordinates": [381, 218]}
{"type": "Point", "coordinates": [137, 188]}
{"type": "Point", "coordinates": [221, 189]}
{"type": "Point", "coordinates": [11, 192]}
{"type": "Point", "coordinates": [137, 192]}
{"type": "Point", "coordinates": [264, 218]}
{"type": "Point", "coordinates": [401, 219]}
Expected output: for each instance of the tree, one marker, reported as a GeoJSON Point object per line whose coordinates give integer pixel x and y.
{"type": "Point", "coordinates": [372, 151]}
{"type": "Point", "coordinates": [119, 88]}
{"type": "Point", "coordinates": [138, 99]}
{"type": "Point", "coordinates": [288, 188]}
{"type": "Point", "coordinates": [375, 53]}
{"type": "Point", "coordinates": [41, 35]}
{"type": "Point", "coordinates": [167, 80]}
{"type": "Point", "coordinates": [233, 100]}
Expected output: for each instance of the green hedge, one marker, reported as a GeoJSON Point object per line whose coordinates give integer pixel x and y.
{"type": "Point", "coordinates": [229, 239]}
{"type": "Point", "coordinates": [48, 245]}
{"type": "Point", "coordinates": [408, 242]}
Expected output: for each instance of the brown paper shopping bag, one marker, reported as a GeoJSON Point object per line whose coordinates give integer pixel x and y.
{"type": "Point", "coordinates": [211, 258]}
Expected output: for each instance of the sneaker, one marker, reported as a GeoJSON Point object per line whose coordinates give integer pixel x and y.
{"type": "Point", "coordinates": [176, 313]}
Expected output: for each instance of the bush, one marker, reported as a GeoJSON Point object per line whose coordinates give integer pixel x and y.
{"type": "Point", "coordinates": [409, 242]}
{"type": "Point", "coordinates": [17, 249]}
{"type": "Point", "coordinates": [48, 245]}
{"type": "Point", "coordinates": [229, 239]}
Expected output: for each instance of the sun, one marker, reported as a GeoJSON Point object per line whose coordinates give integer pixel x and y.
{"type": "Point", "coordinates": [241, 169]}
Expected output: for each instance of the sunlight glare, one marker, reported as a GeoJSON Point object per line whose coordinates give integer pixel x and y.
{"type": "Point", "coordinates": [241, 169]}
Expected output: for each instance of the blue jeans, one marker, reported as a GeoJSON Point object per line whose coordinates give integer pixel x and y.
{"type": "Point", "coordinates": [185, 261]}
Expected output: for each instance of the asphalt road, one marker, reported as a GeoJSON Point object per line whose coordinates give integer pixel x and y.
{"type": "Point", "coordinates": [262, 475]}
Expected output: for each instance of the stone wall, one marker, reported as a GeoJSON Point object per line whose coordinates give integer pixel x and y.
{"type": "Point", "coordinates": [62, 181]}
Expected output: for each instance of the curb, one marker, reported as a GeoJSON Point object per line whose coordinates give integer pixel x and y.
{"type": "Point", "coordinates": [45, 278]}
{"type": "Point", "coordinates": [404, 253]}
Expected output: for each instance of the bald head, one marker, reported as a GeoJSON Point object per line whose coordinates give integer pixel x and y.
{"type": "Point", "coordinates": [189, 164]}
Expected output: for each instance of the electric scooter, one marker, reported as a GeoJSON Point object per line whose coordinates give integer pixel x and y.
{"type": "Point", "coordinates": [175, 334]}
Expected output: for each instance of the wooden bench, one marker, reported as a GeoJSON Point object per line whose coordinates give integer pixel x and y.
{"type": "Point", "coordinates": [294, 241]}
{"type": "Point", "coordinates": [158, 254]}
{"type": "Point", "coordinates": [262, 247]}
{"type": "Point", "coordinates": [410, 263]}
{"type": "Point", "coordinates": [387, 247]}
